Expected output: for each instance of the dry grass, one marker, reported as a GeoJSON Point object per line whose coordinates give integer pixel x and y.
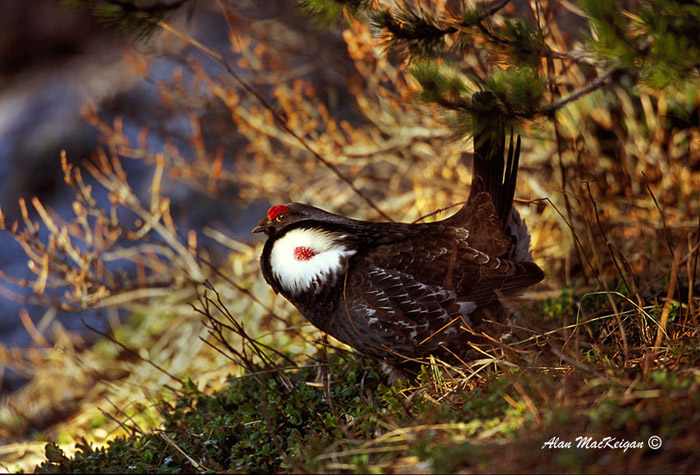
{"type": "Point", "coordinates": [610, 191]}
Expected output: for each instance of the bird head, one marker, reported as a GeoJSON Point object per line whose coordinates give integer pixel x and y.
{"type": "Point", "coordinates": [283, 216]}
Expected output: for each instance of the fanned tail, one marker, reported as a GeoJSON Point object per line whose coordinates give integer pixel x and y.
{"type": "Point", "coordinates": [495, 171]}
{"type": "Point", "coordinates": [494, 226]}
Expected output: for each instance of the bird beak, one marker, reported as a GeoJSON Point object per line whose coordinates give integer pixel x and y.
{"type": "Point", "coordinates": [263, 226]}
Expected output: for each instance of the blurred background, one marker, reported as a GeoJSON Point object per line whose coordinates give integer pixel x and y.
{"type": "Point", "coordinates": [54, 63]}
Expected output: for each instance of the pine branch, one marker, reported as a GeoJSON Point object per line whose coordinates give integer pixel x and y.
{"type": "Point", "coordinates": [495, 6]}
{"type": "Point", "coordinates": [130, 15]}
{"type": "Point", "coordinates": [482, 11]}
{"type": "Point", "coordinates": [411, 33]}
{"type": "Point", "coordinates": [155, 8]}
{"type": "Point", "coordinates": [327, 13]}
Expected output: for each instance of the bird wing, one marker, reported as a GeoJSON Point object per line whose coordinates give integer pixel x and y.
{"type": "Point", "coordinates": [412, 295]}
{"type": "Point", "coordinates": [445, 257]}
{"type": "Point", "coordinates": [386, 310]}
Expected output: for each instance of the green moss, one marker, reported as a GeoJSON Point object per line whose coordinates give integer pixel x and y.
{"type": "Point", "coordinates": [256, 424]}
{"type": "Point", "coordinates": [281, 421]}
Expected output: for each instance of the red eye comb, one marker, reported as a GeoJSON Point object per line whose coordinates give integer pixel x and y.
{"type": "Point", "coordinates": [276, 210]}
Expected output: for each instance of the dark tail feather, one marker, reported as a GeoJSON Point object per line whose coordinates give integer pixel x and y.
{"type": "Point", "coordinates": [494, 171]}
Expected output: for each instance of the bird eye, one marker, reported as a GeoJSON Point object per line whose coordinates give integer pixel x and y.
{"type": "Point", "coordinates": [281, 217]}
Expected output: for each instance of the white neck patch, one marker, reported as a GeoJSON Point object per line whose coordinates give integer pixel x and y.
{"type": "Point", "coordinates": [302, 258]}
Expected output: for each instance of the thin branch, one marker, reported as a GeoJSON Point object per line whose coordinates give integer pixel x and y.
{"type": "Point", "coordinates": [612, 249]}
{"type": "Point", "coordinates": [131, 6]}
{"type": "Point", "coordinates": [130, 351]}
{"type": "Point", "coordinates": [495, 6]}
{"type": "Point", "coordinates": [597, 83]}
{"type": "Point", "coordinates": [259, 97]}
{"type": "Point", "coordinates": [465, 106]}
{"type": "Point", "coordinates": [667, 234]}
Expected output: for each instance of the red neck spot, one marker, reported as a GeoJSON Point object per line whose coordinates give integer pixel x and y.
{"type": "Point", "coordinates": [275, 210]}
{"type": "Point", "coordinates": [303, 253]}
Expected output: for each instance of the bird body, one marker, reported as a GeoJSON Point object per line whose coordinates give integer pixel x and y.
{"type": "Point", "coordinates": [402, 291]}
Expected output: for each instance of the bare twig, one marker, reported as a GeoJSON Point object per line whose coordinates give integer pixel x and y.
{"type": "Point", "coordinates": [597, 83]}
{"type": "Point", "coordinates": [611, 249]}
{"type": "Point", "coordinates": [130, 351]}
{"type": "Point", "coordinates": [261, 99]}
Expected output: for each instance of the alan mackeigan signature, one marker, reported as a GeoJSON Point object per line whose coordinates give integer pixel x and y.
{"type": "Point", "coordinates": [585, 442]}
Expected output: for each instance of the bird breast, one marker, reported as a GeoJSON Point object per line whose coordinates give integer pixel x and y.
{"type": "Point", "coordinates": [304, 260]}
